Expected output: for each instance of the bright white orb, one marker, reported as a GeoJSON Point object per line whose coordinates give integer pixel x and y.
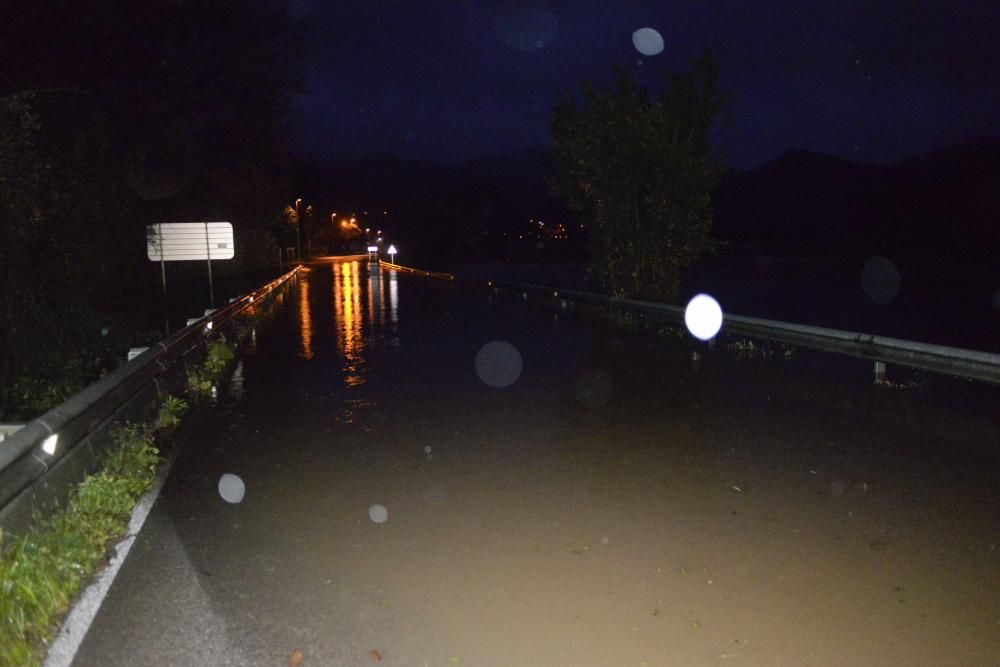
{"type": "Point", "coordinates": [378, 514]}
{"type": "Point", "coordinates": [703, 317]}
{"type": "Point", "coordinates": [647, 41]}
{"type": "Point", "coordinates": [231, 488]}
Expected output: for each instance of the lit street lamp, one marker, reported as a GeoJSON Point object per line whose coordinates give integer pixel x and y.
{"type": "Point", "coordinates": [298, 230]}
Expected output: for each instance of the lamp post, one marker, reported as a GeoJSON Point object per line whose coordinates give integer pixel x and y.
{"type": "Point", "coordinates": [298, 230]}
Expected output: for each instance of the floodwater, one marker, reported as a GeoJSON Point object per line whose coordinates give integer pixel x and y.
{"type": "Point", "coordinates": [570, 495]}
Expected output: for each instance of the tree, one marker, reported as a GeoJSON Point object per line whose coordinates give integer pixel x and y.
{"type": "Point", "coordinates": [641, 171]}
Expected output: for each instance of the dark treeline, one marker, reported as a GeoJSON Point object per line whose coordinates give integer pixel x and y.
{"type": "Point", "coordinates": [115, 115]}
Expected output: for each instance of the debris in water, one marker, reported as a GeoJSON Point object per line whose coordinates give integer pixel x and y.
{"type": "Point", "coordinates": [296, 658]}
{"type": "Point", "coordinates": [375, 655]}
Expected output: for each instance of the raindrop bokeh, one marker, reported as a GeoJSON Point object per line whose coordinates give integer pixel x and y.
{"type": "Point", "coordinates": [378, 513]}
{"type": "Point", "coordinates": [647, 41]}
{"type": "Point", "coordinates": [703, 317]}
{"type": "Point", "coordinates": [594, 387]}
{"type": "Point", "coordinates": [525, 25]}
{"type": "Point", "coordinates": [231, 488]}
{"type": "Point", "coordinates": [299, 9]}
{"type": "Point", "coordinates": [498, 364]}
{"type": "Point", "coordinates": [880, 280]}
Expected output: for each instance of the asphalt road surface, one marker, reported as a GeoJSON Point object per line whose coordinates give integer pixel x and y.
{"type": "Point", "coordinates": [556, 492]}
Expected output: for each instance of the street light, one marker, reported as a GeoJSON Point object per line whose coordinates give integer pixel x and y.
{"type": "Point", "coordinates": [298, 230]}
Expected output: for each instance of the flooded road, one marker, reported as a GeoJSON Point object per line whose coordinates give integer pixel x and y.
{"type": "Point", "coordinates": [555, 493]}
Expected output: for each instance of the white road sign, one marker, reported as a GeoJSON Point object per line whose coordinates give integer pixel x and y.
{"type": "Point", "coordinates": [183, 241]}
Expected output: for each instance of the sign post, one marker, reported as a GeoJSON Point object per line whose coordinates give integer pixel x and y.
{"type": "Point", "coordinates": [190, 241]}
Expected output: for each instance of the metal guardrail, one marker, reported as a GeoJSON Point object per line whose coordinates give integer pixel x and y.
{"type": "Point", "coordinates": [971, 364]}
{"type": "Point", "coordinates": [48, 443]}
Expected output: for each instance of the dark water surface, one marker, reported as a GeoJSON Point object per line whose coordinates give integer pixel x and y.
{"type": "Point", "coordinates": [614, 504]}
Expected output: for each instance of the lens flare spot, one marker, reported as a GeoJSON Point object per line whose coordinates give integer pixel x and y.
{"type": "Point", "coordinates": [231, 488]}
{"type": "Point", "coordinates": [299, 10]}
{"type": "Point", "coordinates": [594, 387]}
{"type": "Point", "coordinates": [498, 364]}
{"type": "Point", "coordinates": [647, 41]}
{"type": "Point", "coordinates": [525, 25]}
{"type": "Point", "coordinates": [378, 513]}
{"type": "Point", "coordinates": [880, 280]}
{"type": "Point", "coordinates": [703, 317]}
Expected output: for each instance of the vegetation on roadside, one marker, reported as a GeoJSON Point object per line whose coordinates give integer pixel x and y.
{"type": "Point", "coordinates": [42, 571]}
{"type": "Point", "coordinates": [201, 379]}
{"type": "Point", "coordinates": [171, 411]}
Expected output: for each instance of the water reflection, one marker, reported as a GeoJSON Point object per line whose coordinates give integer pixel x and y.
{"type": "Point", "coordinates": [393, 298]}
{"type": "Point", "coordinates": [364, 312]}
{"type": "Point", "coordinates": [348, 319]}
{"type": "Point", "coordinates": [305, 316]}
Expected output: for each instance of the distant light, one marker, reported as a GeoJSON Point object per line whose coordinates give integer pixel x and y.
{"type": "Point", "coordinates": [378, 513]}
{"type": "Point", "coordinates": [647, 41]}
{"type": "Point", "coordinates": [209, 325]}
{"type": "Point", "coordinates": [231, 488]}
{"type": "Point", "coordinates": [703, 317]}
{"type": "Point", "coordinates": [49, 446]}
{"type": "Point", "coordinates": [373, 248]}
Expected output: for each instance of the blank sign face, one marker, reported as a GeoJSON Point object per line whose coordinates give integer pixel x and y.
{"type": "Point", "coordinates": [182, 241]}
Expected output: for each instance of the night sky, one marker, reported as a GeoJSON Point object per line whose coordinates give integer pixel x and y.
{"type": "Point", "coordinates": [446, 80]}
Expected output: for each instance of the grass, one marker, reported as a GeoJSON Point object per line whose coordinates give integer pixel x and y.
{"type": "Point", "coordinates": [42, 571]}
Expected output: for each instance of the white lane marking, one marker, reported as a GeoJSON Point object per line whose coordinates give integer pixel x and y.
{"type": "Point", "coordinates": [74, 627]}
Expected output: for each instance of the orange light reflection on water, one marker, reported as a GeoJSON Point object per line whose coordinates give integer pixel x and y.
{"type": "Point", "coordinates": [349, 319]}
{"type": "Point", "coordinates": [305, 316]}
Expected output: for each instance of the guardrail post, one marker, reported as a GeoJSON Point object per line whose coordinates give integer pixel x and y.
{"type": "Point", "coordinates": [879, 372]}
